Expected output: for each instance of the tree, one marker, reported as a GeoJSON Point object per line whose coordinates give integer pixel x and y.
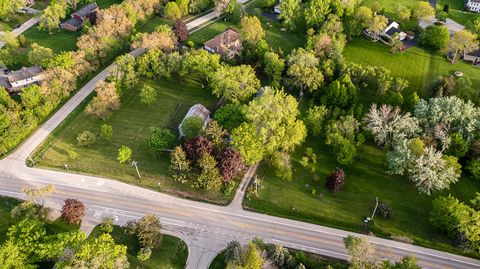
{"type": "Point", "coordinates": [230, 116]}
{"type": "Point", "coordinates": [8, 8]}
{"type": "Point", "coordinates": [28, 234]}
{"type": "Point", "coordinates": [303, 70]}
{"type": "Point", "coordinates": [160, 140]}
{"type": "Point", "coordinates": [39, 55]}
{"type": "Point", "coordinates": [344, 151]}
{"type": "Point", "coordinates": [105, 101]}
{"type": "Point", "coordinates": [273, 67]}
{"type": "Point", "coordinates": [336, 180]}
{"type": "Point", "coordinates": [148, 94]}
{"type": "Point", "coordinates": [31, 96]}
{"type": "Point", "coordinates": [474, 26]}
{"type": "Point", "coordinates": [181, 31]}
{"type": "Point", "coordinates": [179, 165]}
{"type": "Point", "coordinates": [423, 9]}
{"type": "Point", "coordinates": [148, 230]}
{"type": "Point", "coordinates": [377, 24]}
{"type": "Point", "coordinates": [164, 41]}
{"type": "Point", "coordinates": [460, 43]}
{"type": "Point", "coordinates": [291, 13]}
{"type": "Point", "coordinates": [431, 172]}
{"type": "Point", "coordinates": [281, 162]}
{"type": "Point", "coordinates": [248, 143]}
{"type": "Point", "coordinates": [436, 37]}
{"type": "Point", "coordinates": [209, 177]}
{"type": "Point", "coordinates": [473, 167]}
{"type": "Point", "coordinates": [407, 262]}
{"type": "Point", "coordinates": [251, 258]}
{"type": "Point", "coordinates": [252, 30]}
{"type": "Point", "coordinates": [403, 12]}
{"type": "Point", "coordinates": [316, 12]}
{"type": "Point", "coordinates": [124, 154]}
{"type": "Point", "coordinates": [235, 83]}
{"type": "Point", "coordinates": [458, 146]}
{"type": "Point", "coordinates": [183, 6]}
{"type": "Point", "coordinates": [314, 119]}
{"type": "Point", "coordinates": [33, 207]}
{"type": "Point", "coordinates": [362, 254]}
{"type": "Point", "coordinates": [192, 126]}
{"type": "Point", "coordinates": [172, 11]}
{"type": "Point", "coordinates": [341, 93]}
{"type": "Point", "coordinates": [73, 211]}
{"type": "Point", "coordinates": [215, 133]}
{"type": "Point", "coordinates": [220, 6]}
{"type": "Point", "coordinates": [199, 64]}
{"type": "Point", "coordinates": [106, 132]}
{"type": "Point", "coordinates": [86, 138]}
{"type": "Point", "coordinates": [274, 116]}
{"type": "Point", "coordinates": [196, 147]}
{"type": "Point", "coordinates": [13, 257]}
{"type": "Point", "coordinates": [363, 16]}
{"type": "Point", "coordinates": [100, 250]}
{"type": "Point", "coordinates": [53, 14]}
{"type": "Point", "coordinates": [9, 53]}
{"type": "Point", "coordinates": [230, 163]}
{"type": "Point", "coordinates": [197, 6]}
{"type": "Point", "coordinates": [234, 11]}
{"type": "Point", "coordinates": [123, 74]}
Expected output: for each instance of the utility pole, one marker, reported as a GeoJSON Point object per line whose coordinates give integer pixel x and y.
{"type": "Point", "coordinates": [134, 163]}
{"type": "Point", "coordinates": [375, 209]}
{"type": "Point", "coordinates": [66, 166]}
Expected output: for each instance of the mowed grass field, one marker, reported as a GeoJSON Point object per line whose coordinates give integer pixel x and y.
{"type": "Point", "coordinates": [171, 253]}
{"type": "Point", "coordinates": [306, 198]}
{"type": "Point", "coordinates": [419, 66]}
{"type": "Point", "coordinates": [131, 127]}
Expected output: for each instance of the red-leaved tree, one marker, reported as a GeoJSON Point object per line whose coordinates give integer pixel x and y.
{"type": "Point", "coordinates": [336, 180]}
{"type": "Point", "coordinates": [180, 29]}
{"type": "Point", "coordinates": [196, 147]}
{"type": "Point", "coordinates": [73, 211]}
{"type": "Point", "coordinates": [230, 162]}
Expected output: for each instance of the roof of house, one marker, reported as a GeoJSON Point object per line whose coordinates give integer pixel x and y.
{"type": "Point", "coordinates": [24, 73]}
{"type": "Point", "coordinates": [392, 31]}
{"type": "Point", "coordinates": [218, 42]}
{"type": "Point", "coordinates": [73, 22]}
{"type": "Point", "coordinates": [474, 53]}
{"type": "Point", "coordinates": [474, 1]}
{"type": "Point", "coordinates": [198, 110]}
{"type": "Point", "coordinates": [85, 10]}
{"type": "Point", "coordinates": [5, 83]}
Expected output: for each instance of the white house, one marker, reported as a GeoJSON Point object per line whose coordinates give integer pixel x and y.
{"type": "Point", "coordinates": [393, 28]}
{"type": "Point", "coordinates": [197, 110]}
{"type": "Point", "coordinates": [277, 8]}
{"type": "Point", "coordinates": [473, 5]}
{"type": "Point", "coordinates": [15, 80]}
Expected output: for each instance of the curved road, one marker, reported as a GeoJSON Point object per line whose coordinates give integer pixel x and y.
{"type": "Point", "coordinates": [204, 227]}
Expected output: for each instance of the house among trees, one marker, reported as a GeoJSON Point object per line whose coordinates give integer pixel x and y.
{"type": "Point", "coordinates": [227, 44]}
{"type": "Point", "coordinates": [15, 80]}
{"type": "Point", "coordinates": [473, 5]}
{"type": "Point", "coordinates": [392, 29]}
{"type": "Point", "coordinates": [75, 23]}
{"type": "Point", "coordinates": [197, 110]}
{"type": "Point", "coordinates": [473, 57]}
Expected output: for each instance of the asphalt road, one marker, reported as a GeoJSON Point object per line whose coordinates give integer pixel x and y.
{"type": "Point", "coordinates": [204, 227]}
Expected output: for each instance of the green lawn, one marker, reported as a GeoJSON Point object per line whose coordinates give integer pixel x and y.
{"type": "Point", "coordinates": [131, 125]}
{"type": "Point", "coordinates": [277, 39]}
{"type": "Point", "coordinates": [153, 23]}
{"type": "Point", "coordinates": [365, 180]}
{"type": "Point", "coordinates": [58, 41]}
{"type": "Point", "coordinates": [172, 252]}
{"type": "Point", "coordinates": [419, 66]}
{"type": "Point", "coordinates": [389, 5]}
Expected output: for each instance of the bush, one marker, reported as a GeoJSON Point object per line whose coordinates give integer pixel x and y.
{"type": "Point", "coordinates": [124, 154]}
{"type": "Point", "coordinates": [473, 167]}
{"type": "Point", "coordinates": [86, 138]}
{"type": "Point", "coordinates": [73, 211]}
{"type": "Point", "coordinates": [336, 180]}
{"type": "Point", "coordinates": [159, 140]}
{"type": "Point", "coordinates": [144, 254]}
{"type": "Point", "coordinates": [192, 126]}
{"type": "Point", "coordinates": [229, 116]}
{"type": "Point", "coordinates": [22, 40]}
{"type": "Point", "coordinates": [385, 210]}
{"type": "Point", "coordinates": [106, 132]}
{"type": "Point", "coordinates": [435, 36]}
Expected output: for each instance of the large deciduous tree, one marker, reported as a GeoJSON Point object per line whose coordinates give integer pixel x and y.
{"type": "Point", "coordinates": [423, 9]}
{"type": "Point", "coordinates": [273, 67]}
{"type": "Point", "coordinates": [248, 142]}
{"type": "Point", "coordinates": [123, 73]}
{"type": "Point", "coordinates": [275, 117]}
{"type": "Point", "coordinates": [316, 12]}
{"type": "Point", "coordinates": [147, 230]}
{"type": "Point", "coordinates": [235, 83]}
{"type": "Point", "coordinates": [52, 15]}
{"type": "Point", "coordinates": [73, 211]}
{"type": "Point", "coordinates": [361, 252]}
{"type": "Point", "coordinates": [303, 70]}
{"type": "Point", "coordinates": [230, 163]}
{"type": "Point", "coordinates": [160, 140]}
{"type": "Point", "coordinates": [106, 101]}
{"type": "Point", "coordinates": [460, 43]}
{"type": "Point", "coordinates": [180, 29]}
{"type": "Point", "coordinates": [199, 64]}
{"type": "Point", "coordinates": [252, 30]}
{"type": "Point", "coordinates": [196, 147]}
{"type": "Point", "coordinates": [9, 7]}
{"type": "Point", "coordinates": [291, 13]}
{"type": "Point", "coordinates": [39, 55]}
{"type": "Point", "coordinates": [436, 37]}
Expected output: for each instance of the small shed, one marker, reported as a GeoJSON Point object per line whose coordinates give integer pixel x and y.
{"type": "Point", "coordinates": [197, 110]}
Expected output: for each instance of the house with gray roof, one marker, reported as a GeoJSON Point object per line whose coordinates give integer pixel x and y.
{"type": "Point", "coordinates": [13, 81]}
{"type": "Point", "coordinates": [473, 57]}
{"type": "Point", "coordinates": [197, 110]}
{"type": "Point", "coordinates": [473, 5]}
{"type": "Point", "coordinates": [75, 22]}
